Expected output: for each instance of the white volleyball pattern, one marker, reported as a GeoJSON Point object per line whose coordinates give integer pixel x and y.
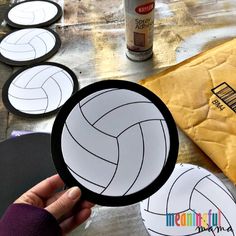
{"type": "Point", "coordinates": [32, 12]}
{"type": "Point", "coordinates": [115, 142]}
{"type": "Point", "coordinates": [27, 44]}
{"type": "Point", "coordinates": [190, 189]}
{"type": "Point", "coordinates": [40, 89]}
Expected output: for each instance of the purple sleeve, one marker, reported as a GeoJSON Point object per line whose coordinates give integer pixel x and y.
{"type": "Point", "coordinates": [27, 220]}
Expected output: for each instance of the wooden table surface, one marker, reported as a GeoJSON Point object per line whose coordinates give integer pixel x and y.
{"type": "Point", "coordinates": [93, 46]}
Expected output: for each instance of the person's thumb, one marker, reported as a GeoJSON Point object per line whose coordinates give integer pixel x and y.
{"type": "Point", "coordinates": [65, 203]}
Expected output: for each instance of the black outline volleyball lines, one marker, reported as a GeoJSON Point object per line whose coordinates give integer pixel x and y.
{"type": "Point", "coordinates": [114, 174]}
{"type": "Point", "coordinates": [194, 188]}
{"type": "Point", "coordinates": [228, 193]}
{"type": "Point", "coordinates": [94, 126]}
{"type": "Point", "coordinates": [116, 164]}
{"type": "Point", "coordinates": [116, 108]}
{"type": "Point", "coordinates": [164, 134]}
{"type": "Point", "coordinates": [91, 182]}
{"type": "Point", "coordinates": [141, 166]}
{"type": "Point", "coordinates": [29, 31]}
{"type": "Point", "coordinates": [47, 99]}
{"type": "Point", "coordinates": [22, 17]}
{"type": "Point", "coordinates": [97, 94]}
{"type": "Point", "coordinates": [167, 202]}
{"type": "Point", "coordinates": [35, 50]}
{"type": "Point", "coordinates": [168, 196]}
{"type": "Point", "coordinates": [59, 103]}
{"type": "Point", "coordinates": [190, 199]}
{"type": "Point", "coordinates": [50, 77]}
{"type": "Point", "coordinates": [93, 154]}
{"type": "Point", "coordinates": [81, 104]}
{"type": "Point", "coordinates": [46, 47]}
{"type": "Point", "coordinates": [108, 91]}
{"type": "Point", "coordinates": [20, 75]}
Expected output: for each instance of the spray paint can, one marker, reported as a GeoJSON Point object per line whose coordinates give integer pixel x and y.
{"type": "Point", "coordinates": [139, 22]}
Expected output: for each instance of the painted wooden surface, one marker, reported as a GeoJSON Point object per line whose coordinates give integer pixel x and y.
{"type": "Point", "coordinates": [93, 46]}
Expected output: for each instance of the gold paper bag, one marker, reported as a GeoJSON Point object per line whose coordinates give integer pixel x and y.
{"type": "Point", "coordinates": [201, 95]}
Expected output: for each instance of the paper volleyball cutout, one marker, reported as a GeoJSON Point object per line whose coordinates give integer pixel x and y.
{"type": "Point", "coordinates": [192, 202]}
{"type": "Point", "coordinates": [29, 46]}
{"type": "Point", "coordinates": [116, 140]}
{"type": "Point", "coordinates": [39, 90]}
{"type": "Point", "coordinates": [33, 14]}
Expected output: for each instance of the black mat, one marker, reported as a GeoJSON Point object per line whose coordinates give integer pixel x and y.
{"type": "Point", "coordinates": [24, 161]}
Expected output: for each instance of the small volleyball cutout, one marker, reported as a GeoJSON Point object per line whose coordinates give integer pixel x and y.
{"type": "Point", "coordinates": [192, 202]}
{"type": "Point", "coordinates": [115, 142]}
{"type": "Point", "coordinates": [39, 90]}
{"type": "Point", "coordinates": [33, 14]}
{"type": "Point", "coordinates": [28, 46]}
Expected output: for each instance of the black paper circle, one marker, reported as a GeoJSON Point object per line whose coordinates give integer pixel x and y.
{"type": "Point", "coordinates": [39, 90]}
{"type": "Point", "coordinates": [116, 140]}
{"type": "Point", "coordinates": [36, 13]}
{"type": "Point", "coordinates": [24, 162]}
{"type": "Point", "coordinates": [27, 46]}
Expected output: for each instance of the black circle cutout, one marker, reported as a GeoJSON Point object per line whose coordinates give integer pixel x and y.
{"type": "Point", "coordinates": [13, 44]}
{"type": "Point", "coordinates": [59, 144]}
{"type": "Point", "coordinates": [40, 23]}
{"type": "Point", "coordinates": [22, 99]}
{"type": "Point", "coordinates": [24, 162]}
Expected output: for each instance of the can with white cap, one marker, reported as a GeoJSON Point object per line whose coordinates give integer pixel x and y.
{"type": "Point", "coordinates": [139, 19]}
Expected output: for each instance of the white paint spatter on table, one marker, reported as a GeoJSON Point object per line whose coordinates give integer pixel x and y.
{"type": "Point", "coordinates": [195, 43]}
{"type": "Point", "coordinates": [163, 10]}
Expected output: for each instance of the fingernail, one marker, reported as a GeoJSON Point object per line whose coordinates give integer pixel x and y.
{"type": "Point", "coordinates": [74, 193]}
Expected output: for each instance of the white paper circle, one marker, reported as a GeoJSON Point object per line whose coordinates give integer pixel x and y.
{"type": "Point", "coordinates": [115, 142]}
{"type": "Point", "coordinates": [140, 125]}
{"type": "Point", "coordinates": [191, 190]}
{"type": "Point", "coordinates": [28, 45]}
{"type": "Point", "coordinates": [32, 13]}
{"type": "Point", "coordinates": [39, 90]}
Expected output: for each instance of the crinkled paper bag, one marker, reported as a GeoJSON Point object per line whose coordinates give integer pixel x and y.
{"type": "Point", "coordinates": [201, 95]}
